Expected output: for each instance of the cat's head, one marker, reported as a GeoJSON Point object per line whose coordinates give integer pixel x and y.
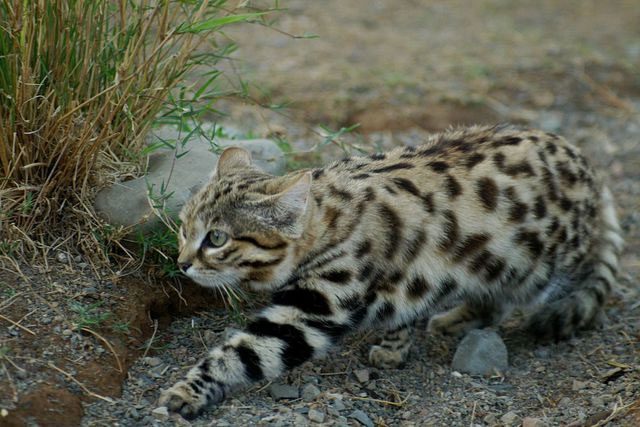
{"type": "Point", "coordinates": [244, 225]}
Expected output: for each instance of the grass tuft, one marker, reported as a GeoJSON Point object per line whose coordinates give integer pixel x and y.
{"type": "Point", "coordinates": [81, 83]}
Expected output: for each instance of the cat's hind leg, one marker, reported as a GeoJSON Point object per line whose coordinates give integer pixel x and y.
{"type": "Point", "coordinates": [393, 350]}
{"type": "Point", "coordinates": [461, 319]}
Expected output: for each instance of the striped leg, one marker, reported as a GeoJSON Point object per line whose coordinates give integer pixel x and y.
{"type": "Point", "coordinates": [280, 339]}
{"type": "Point", "coordinates": [392, 352]}
{"type": "Point", "coordinates": [456, 321]}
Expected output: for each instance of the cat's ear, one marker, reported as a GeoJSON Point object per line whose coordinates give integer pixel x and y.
{"type": "Point", "coordinates": [285, 211]}
{"type": "Point", "coordinates": [232, 158]}
{"type": "Point", "coordinates": [295, 201]}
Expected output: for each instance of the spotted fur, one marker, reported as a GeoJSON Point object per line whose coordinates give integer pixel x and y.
{"type": "Point", "coordinates": [462, 229]}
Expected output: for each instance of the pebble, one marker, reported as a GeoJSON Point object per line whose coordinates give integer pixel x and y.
{"type": "Point", "coordinates": [310, 392]}
{"type": "Point", "coordinates": [160, 413]}
{"type": "Point", "coordinates": [481, 352]}
{"type": "Point", "coordinates": [362, 418]}
{"type": "Point", "coordinates": [579, 385]}
{"type": "Point", "coordinates": [316, 415]}
{"type": "Point", "coordinates": [61, 257]}
{"type": "Point", "coordinates": [152, 361]}
{"type": "Point", "coordinates": [532, 422]}
{"type": "Point", "coordinates": [338, 405]}
{"type": "Point", "coordinates": [510, 419]}
{"type": "Point", "coordinates": [283, 391]}
{"type": "Point", "coordinates": [362, 375]}
{"type": "Point", "coordinates": [490, 419]}
{"type": "Point", "coordinates": [67, 332]}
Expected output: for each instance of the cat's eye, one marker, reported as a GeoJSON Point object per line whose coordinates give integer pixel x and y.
{"type": "Point", "coordinates": [215, 239]}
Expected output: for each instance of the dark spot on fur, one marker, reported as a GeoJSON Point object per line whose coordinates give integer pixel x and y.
{"type": "Point", "coordinates": [470, 245]}
{"type": "Point", "coordinates": [307, 300]}
{"type": "Point", "coordinates": [390, 168]}
{"type": "Point", "coordinates": [407, 185]}
{"type": "Point", "coordinates": [439, 166]}
{"type": "Point", "coordinates": [251, 362]}
{"type": "Point", "coordinates": [394, 224]}
{"type": "Point", "coordinates": [451, 231]}
{"type": "Point", "coordinates": [361, 176]}
{"type": "Point", "coordinates": [454, 189]}
{"type": "Point", "coordinates": [487, 191]}
{"type": "Point", "coordinates": [363, 248]}
{"type": "Point", "coordinates": [337, 276]}
{"type": "Point", "coordinates": [296, 350]}
{"type": "Point", "coordinates": [427, 202]}
{"type": "Point", "coordinates": [531, 240]}
{"type": "Point", "coordinates": [473, 160]}
{"type": "Point", "coordinates": [417, 287]}
{"type": "Point", "coordinates": [540, 208]}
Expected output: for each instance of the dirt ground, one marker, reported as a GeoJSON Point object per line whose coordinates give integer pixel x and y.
{"type": "Point", "coordinates": [89, 346]}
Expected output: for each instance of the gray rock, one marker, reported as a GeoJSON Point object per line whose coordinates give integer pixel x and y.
{"type": "Point", "coordinates": [180, 176]}
{"type": "Point", "coordinates": [160, 413]}
{"type": "Point", "coordinates": [510, 419]}
{"type": "Point", "coordinates": [283, 391]}
{"type": "Point", "coordinates": [310, 392]}
{"type": "Point", "coordinates": [362, 375]}
{"type": "Point", "coordinates": [316, 415]}
{"type": "Point", "coordinates": [152, 361]}
{"type": "Point", "coordinates": [338, 405]}
{"type": "Point", "coordinates": [362, 418]}
{"type": "Point", "coordinates": [481, 352]}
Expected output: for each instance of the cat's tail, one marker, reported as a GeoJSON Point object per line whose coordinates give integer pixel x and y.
{"type": "Point", "coordinates": [582, 305]}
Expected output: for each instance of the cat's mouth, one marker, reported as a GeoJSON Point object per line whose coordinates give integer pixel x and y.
{"type": "Point", "coordinates": [217, 279]}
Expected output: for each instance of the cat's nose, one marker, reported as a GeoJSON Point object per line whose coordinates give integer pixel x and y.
{"type": "Point", "coordinates": [184, 266]}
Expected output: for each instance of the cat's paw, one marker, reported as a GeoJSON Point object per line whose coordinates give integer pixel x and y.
{"type": "Point", "coordinates": [184, 400]}
{"type": "Point", "coordinates": [385, 358]}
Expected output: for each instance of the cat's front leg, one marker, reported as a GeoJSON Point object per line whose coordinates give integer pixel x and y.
{"type": "Point", "coordinates": [280, 339]}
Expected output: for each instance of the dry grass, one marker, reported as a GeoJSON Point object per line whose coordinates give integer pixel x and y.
{"type": "Point", "coordinates": [81, 82]}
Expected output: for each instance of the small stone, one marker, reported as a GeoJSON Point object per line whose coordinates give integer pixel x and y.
{"type": "Point", "coordinates": [77, 258]}
{"type": "Point", "coordinates": [152, 361]}
{"type": "Point", "coordinates": [67, 332]}
{"type": "Point", "coordinates": [597, 401]}
{"type": "Point", "coordinates": [316, 415]}
{"type": "Point", "coordinates": [3, 412]}
{"type": "Point", "coordinates": [579, 385]}
{"type": "Point", "coordinates": [510, 418]}
{"type": "Point", "coordinates": [362, 375]}
{"type": "Point", "coordinates": [160, 413]}
{"type": "Point", "coordinates": [564, 402]}
{"type": "Point", "coordinates": [310, 392]}
{"type": "Point", "coordinates": [532, 422]}
{"type": "Point", "coordinates": [283, 391]}
{"type": "Point", "coordinates": [481, 352]}
{"type": "Point", "coordinates": [362, 418]}
{"type": "Point", "coordinates": [490, 419]}
{"type": "Point", "coordinates": [338, 405]}
{"type": "Point", "coordinates": [61, 257]}
{"type": "Point", "coordinates": [542, 353]}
